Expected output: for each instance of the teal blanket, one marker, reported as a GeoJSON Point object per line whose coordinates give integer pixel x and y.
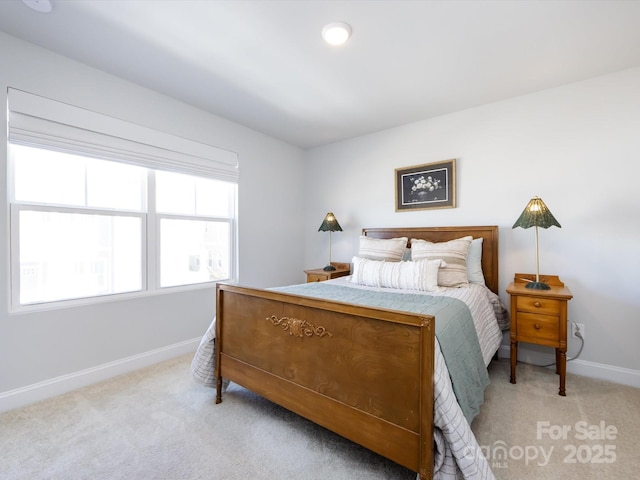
{"type": "Point", "coordinates": [454, 329]}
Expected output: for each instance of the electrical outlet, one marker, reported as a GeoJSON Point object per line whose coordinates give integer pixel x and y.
{"type": "Point", "coordinates": [575, 327]}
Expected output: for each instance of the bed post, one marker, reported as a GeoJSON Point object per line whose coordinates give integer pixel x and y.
{"type": "Point", "coordinates": [217, 344]}
{"type": "Point", "coordinates": [426, 398]}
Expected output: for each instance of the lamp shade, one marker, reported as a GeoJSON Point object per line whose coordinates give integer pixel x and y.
{"type": "Point", "coordinates": [536, 214]}
{"type": "Point", "coordinates": [330, 224]}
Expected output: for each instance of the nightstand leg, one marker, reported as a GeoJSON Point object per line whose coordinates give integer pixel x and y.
{"type": "Point", "coordinates": [562, 365]}
{"type": "Point", "coordinates": [514, 360]}
{"type": "Point", "coordinates": [558, 361]}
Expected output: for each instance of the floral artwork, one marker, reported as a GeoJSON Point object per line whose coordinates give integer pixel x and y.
{"type": "Point", "coordinates": [423, 185]}
{"type": "Point", "coordinates": [426, 186]}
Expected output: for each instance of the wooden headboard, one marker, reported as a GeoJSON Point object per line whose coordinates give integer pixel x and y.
{"type": "Point", "coordinates": [443, 234]}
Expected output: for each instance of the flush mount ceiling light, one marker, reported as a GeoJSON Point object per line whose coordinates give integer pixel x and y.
{"type": "Point", "coordinates": [42, 6]}
{"type": "Point", "coordinates": [336, 33]}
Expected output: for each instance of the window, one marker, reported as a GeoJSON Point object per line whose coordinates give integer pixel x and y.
{"type": "Point", "coordinates": [89, 220]}
{"type": "Point", "coordinates": [195, 228]}
{"type": "Point", "coordinates": [65, 255]}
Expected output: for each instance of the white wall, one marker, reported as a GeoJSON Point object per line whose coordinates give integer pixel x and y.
{"type": "Point", "coordinates": [48, 352]}
{"type": "Point", "coordinates": [577, 147]}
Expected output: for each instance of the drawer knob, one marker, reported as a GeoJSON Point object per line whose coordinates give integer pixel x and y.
{"type": "Point", "coordinates": [537, 304]}
{"type": "Point", "coordinates": [537, 326]}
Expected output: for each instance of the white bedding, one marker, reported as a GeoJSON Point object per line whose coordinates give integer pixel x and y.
{"type": "Point", "coordinates": [457, 454]}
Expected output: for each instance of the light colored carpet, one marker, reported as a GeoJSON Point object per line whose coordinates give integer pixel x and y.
{"type": "Point", "coordinates": [547, 436]}
{"type": "Point", "coordinates": [158, 424]}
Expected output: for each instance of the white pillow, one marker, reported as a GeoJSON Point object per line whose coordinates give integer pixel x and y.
{"type": "Point", "coordinates": [453, 253]}
{"type": "Point", "coordinates": [475, 274]}
{"type": "Point", "coordinates": [474, 262]}
{"type": "Point", "coordinates": [420, 275]}
{"type": "Point", "coordinates": [389, 249]}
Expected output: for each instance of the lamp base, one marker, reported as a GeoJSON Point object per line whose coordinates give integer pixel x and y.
{"type": "Point", "coordinates": [537, 286]}
{"type": "Point", "coordinates": [329, 268]}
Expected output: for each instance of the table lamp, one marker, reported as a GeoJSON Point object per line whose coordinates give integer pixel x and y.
{"type": "Point", "coordinates": [536, 214]}
{"type": "Point", "coordinates": [330, 224]}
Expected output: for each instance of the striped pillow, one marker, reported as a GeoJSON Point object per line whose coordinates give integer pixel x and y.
{"type": "Point", "coordinates": [420, 275]}
{"type": "Point", "coordinates": [454, 253]}
{"type": "Point", "coordinates": [389, 249]}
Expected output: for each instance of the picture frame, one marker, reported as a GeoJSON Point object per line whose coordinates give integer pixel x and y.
{"type": "Point", "coordinates": [421, 187]}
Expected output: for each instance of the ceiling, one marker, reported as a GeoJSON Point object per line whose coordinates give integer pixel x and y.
{"type": "Point", "coordinates": [263, 64]}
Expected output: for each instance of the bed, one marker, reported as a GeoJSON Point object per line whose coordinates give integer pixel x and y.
{"type": "Point", "coordinates": [366, 369]}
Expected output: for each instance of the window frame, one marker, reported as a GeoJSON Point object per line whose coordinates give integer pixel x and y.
{"type": "Point", "coordinates": [158, 247]}
{"type": "Point", "coordinates": [14, 252]}
{"type": "Point", "coordinates": [48, 124]}
{"type": "Point", "coordinates": [150, 246]}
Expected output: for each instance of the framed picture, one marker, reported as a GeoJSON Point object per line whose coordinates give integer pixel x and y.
{"type": "Point", "coordinates": [432, 185]}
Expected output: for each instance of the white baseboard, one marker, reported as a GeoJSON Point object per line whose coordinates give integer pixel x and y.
{"type": "Point", "coordinates": [601, 371]}
{"type": "Point", "coordinates": [22, 396]}
{"type": "Point", "coordinates": [66, 383]}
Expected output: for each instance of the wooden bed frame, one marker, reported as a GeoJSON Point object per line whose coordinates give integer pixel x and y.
{"type": "Point", "coordinates": [364, 373]}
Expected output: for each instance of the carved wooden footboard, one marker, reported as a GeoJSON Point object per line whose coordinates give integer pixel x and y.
{"type": "Point", "coordinates": [364, 373]}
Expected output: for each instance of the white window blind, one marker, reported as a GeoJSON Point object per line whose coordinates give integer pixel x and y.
{"type": "Point", "coordinates": [42, 122]}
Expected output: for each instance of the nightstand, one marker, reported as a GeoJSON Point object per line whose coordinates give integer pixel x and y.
{"type": "Point", "coordinates": [540, 317]}
{"type": "Point", "coordinates": [320, 275]}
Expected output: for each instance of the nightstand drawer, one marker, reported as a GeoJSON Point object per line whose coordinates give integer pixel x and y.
{"type": "Point", "coordinates": [320, 274]}
{"type": "Point", "coordinates": [541, 328]}
{"type": "Point", "coordinates": [316, 278]}
{"type": "Point", "coordinates": [546, 306]}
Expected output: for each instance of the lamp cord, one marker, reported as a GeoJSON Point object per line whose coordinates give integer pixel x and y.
{"type": "Point", "coordinates": [579, 335]}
